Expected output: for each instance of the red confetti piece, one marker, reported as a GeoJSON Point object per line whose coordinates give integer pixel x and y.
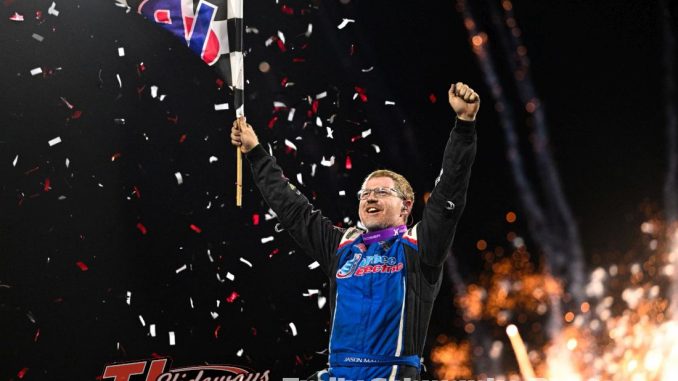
{"type": "Point", "coordinates": [196, 229]}
{"type": "Point", "coordinates": [349, 165]}
{"type": "Point", "coordinates": [352, 49]}
{"type": "Point", "coordinates": [173, 119]}
{"type": "Point", "coordinates": [286, 10]}
{"type": "Point", "coordinates": [297, 360]}
{"type": "Point", "coordinates": [281, 45]}
{"type": "Point", "coordinates": [22, 373]}
{"type": "Point", "coordinates": [140, 90]}
{"type": "Point", "coordinates": [298, 59]}
{"type": "Point", "coordinates": [314, 106]}
{"type": "Point", "coordinates": [254, 331]}
{"type": "Point", "coordinates": [82, 265]}
{"type": "Point", "coordinates": [432, 98]}
{"type": "Point", "coordinates": [142, 228]}
{"type": "Point", "coordinates": [361, 93]}
{"type": "Point", "coordinates": [38, 15]}
{"type": "Point", "coordinates": [76, 114]}
{"type": "Point", "coordinates": [353, 139]}
{"type": "Point", "coordinates": [157, 356]}
{"type": "Point", "coordinates": [231, 298]}
{"type": "Point", "coordinates": [283, 81]}
{"type": "Point", "coordinates": [141, 67]}
{"type": "Point", "coordinates": [36, 336]}
{"type": "Point", "coordinates": [116, 156]}
{"type": "Point", "coordinates": [47, 186]}
{"type": "Point", "coordinates": [220, 83]}
{"type": "Point", "coordinates": [182, 138]}
{"type": "Point", "coordinates": [271, 122]}
{"type": "Point", "coordinates": [216, 331]}
{"type": "Point", "coordinates": [136, 191]}
{"type": "Point", "coordinates": [274, 252]}
{"type": "Point", "coordinates": [255, 219]}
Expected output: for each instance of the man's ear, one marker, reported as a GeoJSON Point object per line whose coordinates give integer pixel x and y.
{"type": "Point", "coordinates": [407, 206]}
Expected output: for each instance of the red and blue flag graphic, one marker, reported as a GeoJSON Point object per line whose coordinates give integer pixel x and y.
{"type": "Point", "coordinates": [212, 29]}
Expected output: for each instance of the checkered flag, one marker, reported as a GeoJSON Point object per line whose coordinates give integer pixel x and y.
{"type": "Point", "coordinates": [213, 29]}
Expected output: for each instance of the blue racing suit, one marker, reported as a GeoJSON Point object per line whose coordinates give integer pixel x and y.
{"type": "Point", "coordinates": [381, 294]}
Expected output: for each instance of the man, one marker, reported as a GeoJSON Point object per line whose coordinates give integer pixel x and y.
{"type": "Point", "coordinates": [383, 281]}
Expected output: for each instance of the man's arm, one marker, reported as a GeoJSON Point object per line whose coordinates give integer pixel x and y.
{"type": "Point", "coordinates": [448, 198]}
{"type": "Point", "coordinates": [314, 233]}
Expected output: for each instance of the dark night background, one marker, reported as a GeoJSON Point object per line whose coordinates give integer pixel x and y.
{"type": "Point", "coordinates": [71, 240]}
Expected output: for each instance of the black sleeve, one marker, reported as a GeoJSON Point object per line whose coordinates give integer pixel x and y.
{"type": "Point", "coordinates": [442, 212]}
{"type": "Point", "coordinates": [315, 234]}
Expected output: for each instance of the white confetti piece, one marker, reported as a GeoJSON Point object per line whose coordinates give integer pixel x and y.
{"type": "Point", "coordinates": [270, 215]}
{"type": "Point", "coordinates": [221, 106]}
{"type": "Point", "coordinates": [119, 80]}
{"type": "Point", "coordinates": [54, 141]}
{"type": "Point", "coordinates": [180, 179]}
{"type": "Point", "coordinates": [209, 255]}
{"type": "Point", "coordinates": [369, 69]}
{"type": "Point", "coordinates": [366, 133]}
{"type": "Point", "coordinates": [162, 97]}
{"type": "Point", "coordinates": [311, 292]}
{"type": "Point", "coordinates": [294, 329]}
{"type": "Point", "coordinates": [36, 71]}
{"type": "Point", "coordinates": [389, 103]}
{"type": "Point", "coordinates": [154, 91]}
{"type": "Point", "coordinates": [327, 163]}
{"type": "Point", "coordinates": [16, 17]}
{"type": "Point", "coordinates": [376, 148]}
{"type": "Point", "coordinates": [218, 303]}
{"type": "Point", "coordinates": [230, 276]}
{"type": "Point", "coordinates": [318, 121]}
{"type": "Point", "coordinates": [267, 239]}
{"type": "Point", "coordinates": [313, 167]}
{"type": "Point", "coordinates": [281, 36]}
{"type": "Point", "coordinates": [128, 300]}
{"type": "Point", "coordinates": [245, 261]}
{"type": "Point", "coordinates": [314, 265]}
{"type": "Point", "coordinates": [141, 319]}
{"type": "Point", "coordinates": [151, 330]}
{"type": "Point", "coordinates": [52, 10]}
{"type": "Point", "coordinates": [121, 52]}
{"type": "Point", "coordinates": [329, 133]}
{"type": "Point", "coordinates": [172, 339]}
{"type": "Point", "coordinates": [269, 41]}
{"type": "Point", "coordinates": [290, 115]}
{"type": "Point", "coordinates": [38, 37]}
{"type": "Point", "coordinates": [215, 315]}
{"type": "Point", "coordinates": [240, 352]}
{"type": "Point", "coordinates": [16, 160]}
{"type": "Point", "coordinates": [190, 301]}
{"type": "Point", "coordinates": [300, 179]}
{"type": "Point", "coordinates": [342, 193]}
{"type": "Point", "coordinates": [180, 269]}
{"type": "Point", "coordinates": [309, 30]}
{"type": "Point", "coordinates": [213, 159]}
{"type": "Point", "coordinates": [321, 302]}
{"type": "Point", "coordinates": [290, 144]}
{"type": "Point", "coordinates": [321, 95]}
{"type": "Point", "coordinates": [344, 22]}
{"type": "Point", "coordinates": [278, 104]}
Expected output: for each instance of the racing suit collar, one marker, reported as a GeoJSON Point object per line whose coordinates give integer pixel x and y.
{"type": "Point", "coordinates": [384, 234]}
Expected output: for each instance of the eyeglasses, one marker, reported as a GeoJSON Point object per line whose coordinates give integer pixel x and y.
{"type": "Point", "coordinates": [380, 192]}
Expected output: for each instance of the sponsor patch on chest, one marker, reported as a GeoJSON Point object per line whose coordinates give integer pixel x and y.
{"type": "Point", "coordinates": [373, 264]}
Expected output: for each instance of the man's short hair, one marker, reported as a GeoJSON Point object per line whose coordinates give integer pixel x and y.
{"type": "Point", "coordinates": [401, 184]}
